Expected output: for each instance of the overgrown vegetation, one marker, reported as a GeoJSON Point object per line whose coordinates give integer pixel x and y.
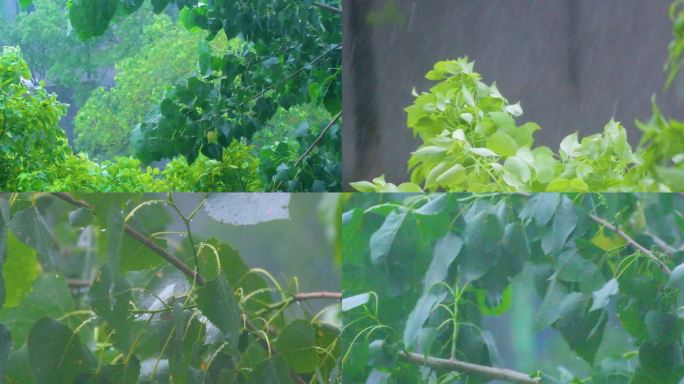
{"type": "Point", "coordinates": [440, 288]}
{"type": "Point", "coordinates": [102, 288]}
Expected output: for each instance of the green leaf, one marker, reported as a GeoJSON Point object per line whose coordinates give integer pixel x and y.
{"type": "Point", "coordinates": [602, 296]}
{"type": "Point", "coordinates": [419, 315]}
{"type": "Point", "coordinates": [515, 242]}
{"type": "Point", "coordinates": [564, 223]}
{"type": "Point", "coordinates": [218, 303]}
{"type": "Point", "coordinates": [582, 329]}
{"type": "Point", "coordinates": [503, 144]}
{"type": "Point", "coordinates": [30, 227]}
{"type": "Point", "coordinates": [483, 236]}
{"type": "Point", "coordinates": [50, 297]}
{"type": "Point", "coordinates": [435, 206]}
{"type": "Point", "coordinates": [56, 354]}
{"type": "Point", "coordinates": [452, 176]}
{"type": "Point", "coordinates": [297, 344]}
{"type": "Point", "coordinates": [446, 251]}
{"type": "Point", "coordinates": [549, 310]}
{"type": "Point", "coordinates": [273, 370]}
{"type": "Point", "coordinates": [569, 146]}
{"type": "Point", "coordinates": [516, 172]}
{"type": "Point", "coordinates": [136, 256]}
{"type": "Point", "coordinates": [20, 270]}
{"type": "Point", "coordinates": [541, 207]}
{"type": "Point", "coordinates": [382, 239]}
{"type": "Point", "coordinates": [91, 18]}
{"type": "Point", "coordinates": [110, 297]}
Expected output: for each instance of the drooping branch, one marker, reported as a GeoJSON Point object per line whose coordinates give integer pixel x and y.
{"type": "Point", "coordinates": [631, 242]}
{"type": "Point", "coordinates": [462, 366]}
{"type": "Point", "coordinates": [185, 269]}
{"type": "Point", "coordinates": [141, 238]}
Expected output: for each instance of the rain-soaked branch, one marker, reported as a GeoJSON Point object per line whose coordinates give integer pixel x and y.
{"type": "Point", "coordinates": [141, 238]}
{"type": "Point", "coordinates": [462, 366]}
{"type": "Point", "coordinates": [327, 7]}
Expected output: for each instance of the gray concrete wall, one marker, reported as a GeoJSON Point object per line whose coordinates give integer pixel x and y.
{"type": "Point", "coordinates": [573, 64]}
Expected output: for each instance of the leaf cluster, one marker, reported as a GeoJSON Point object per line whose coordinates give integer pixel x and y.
{"type": "Point", "coordinates": [97, 290]}
{"type": "Point", "coordinates": [430, 274]}
{"type": "Point", "coordinates": [472, 142]}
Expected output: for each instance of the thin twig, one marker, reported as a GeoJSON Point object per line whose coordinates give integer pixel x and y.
{"type": "Point", "coordinates": [317, 295]}
{"type": "Point", "coordinates": [144, 240]}
{"type": "Point", "coordinates": [660, 243]}
{"type": "Point", "coordinates": [295, 73]}
{"type": "Point", "coordinates": [462, 366]}
{"type": "Point", "coordinates": [318, 139]}
{"type": "Point", "coordinates": [312, 146]}
{"type": "Point", "coordinates": [76, 283]}
{"type": "Point", "coordinates": [328, 8]}
{"type": "Point", "coordinates": [632, 243]}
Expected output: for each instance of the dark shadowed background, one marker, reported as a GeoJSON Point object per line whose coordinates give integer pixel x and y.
{"type": "Point", "coordinates": [573, 64]}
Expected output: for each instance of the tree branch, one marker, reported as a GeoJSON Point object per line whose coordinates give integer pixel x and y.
{"type": "Point", "coordinates": [317, 295]}
{"type": "Point", "coordinates": [318, 139]}
{"type": "Point", "coordinates": [660, 243]}
{"type": "Point", "coordinates": [328, 8]}
{"type": "Point", "coordinates": [462, 366]}
{"type": "Point", "coordinates": [144, 240]}
{"type": "Point", "coordinates": [181, 266]}
{"type": "Point", "coordinates": [631, 242]}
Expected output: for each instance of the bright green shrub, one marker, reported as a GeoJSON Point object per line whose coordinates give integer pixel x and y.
{"type": "Point", "coordinates": [238, 172]}
{"type": "Point", "coordinates": [77, 173]}
{"type": "Point", "coordinates": [472, 142]}
{"type": "Point", "coordinates": [30, 138]}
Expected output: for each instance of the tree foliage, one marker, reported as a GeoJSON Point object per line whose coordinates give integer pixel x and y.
{"type": "Point", "coordinates": [472, 142]}
{"type": "Point", "coordinates": [236, 92]}
{"type": "Point", "coordinates": [426, 277]}
{"type": "Point", "coordinates": [30, 138]}
{"type": "Point", "coordinates": [98, 290]}
{"type": "Point", "coordinates": [58, 57]}
{"type": "Point", "coordinates": [280, 56]}
{"type": "Point", "coordinates": [104, 124]}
